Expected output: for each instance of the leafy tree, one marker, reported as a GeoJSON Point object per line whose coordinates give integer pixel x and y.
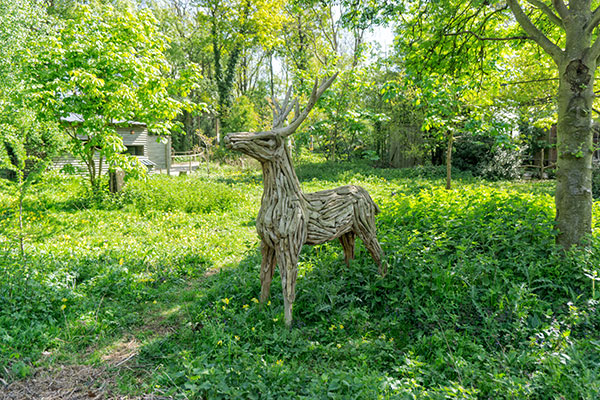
{"type": "Point", "coordinates": [458, 36]}
{"type": "Point", "coordinates": [189, 55]}
{"type": "Point", "coordinates": [27, 140]}
{"type": "Point", "coordinates": [242, 116]}
{"type": "Point", "coordinates": [235, 26]}
{"type": "Point", "coordinates": [103, 66]}
{"type": "Point", "coordinates": [576, 56]}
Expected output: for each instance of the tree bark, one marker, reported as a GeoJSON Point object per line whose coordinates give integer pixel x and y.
{"type": "Point", "coordinates": [575, 149]}
{"type": "Point", "coordinates": [576, 67]}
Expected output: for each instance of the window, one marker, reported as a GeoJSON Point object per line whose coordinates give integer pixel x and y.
{"type": "Point", "coordinates": [135, 150]}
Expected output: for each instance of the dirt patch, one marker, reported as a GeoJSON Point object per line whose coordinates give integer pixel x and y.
{"type": "Point", "coordinates": [73, 382]}
{"type": "Point", "coordinates": [83, 382]}
{"type": "Point", "coordinates": [124, 351]}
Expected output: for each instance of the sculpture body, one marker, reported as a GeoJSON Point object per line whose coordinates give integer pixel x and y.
{"type": "Point", "coordinates": [289, 218]}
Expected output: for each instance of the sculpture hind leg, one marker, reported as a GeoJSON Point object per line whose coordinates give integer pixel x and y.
{"type": "Point", "coordinates": [347, 241]}
{"type": "Point", "coordinates": [364, 227]}
{"type": "Point", "coordinates": [267, 268]}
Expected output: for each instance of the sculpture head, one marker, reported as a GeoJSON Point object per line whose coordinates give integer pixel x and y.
{"type": "Point", "coordinates": [266, 146]}
{"type": "Point", "coordinates": [262, 146]}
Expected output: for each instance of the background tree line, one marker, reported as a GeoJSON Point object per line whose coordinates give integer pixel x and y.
{"type": "Point", "coordinates": [457, 82]}
{"type": "Point", "coordinates": [217, 62]}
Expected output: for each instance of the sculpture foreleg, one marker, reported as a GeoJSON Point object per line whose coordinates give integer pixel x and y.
{"type": "Point", "coordinates": [287, 254]}
{"type": "Point", "coordinates": [267, 268]}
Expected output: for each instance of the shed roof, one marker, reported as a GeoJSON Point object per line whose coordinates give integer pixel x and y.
{"type": "Point", "coordinates": [77, 118]}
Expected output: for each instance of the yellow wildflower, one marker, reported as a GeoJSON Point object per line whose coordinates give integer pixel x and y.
{"type": "Point", "coordinates": [339, 346]}
{"type": "Point", "coordinates": [237, 337]}
{"type": "Point", "coordinates": [225, 300]}
{"type": "Point", "coordinates": [254, 300]}
{"type": "Point", "coordinates": [253, 329]}
{"type": "Point", "coordinates": [220, 343]}
{"type": "Point", "coordinates": [64, 300]}
{"type": "Point", "coordinates": [121, 261]}
{"type": "Point", "coordinates": [63, 306]}
{"type": "Point", "coordinates": [279, 362]}
{"type": "Point", "coordinates": [341, 326]}
{"type": "Point", "coordinates": [245, 306]}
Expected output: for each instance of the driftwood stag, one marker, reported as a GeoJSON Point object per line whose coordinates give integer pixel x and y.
{"type": "Point", "coordinates": [289, 218]}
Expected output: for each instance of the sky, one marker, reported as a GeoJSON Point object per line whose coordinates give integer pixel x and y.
{"type": "Point", "coordinates": [382, 35]}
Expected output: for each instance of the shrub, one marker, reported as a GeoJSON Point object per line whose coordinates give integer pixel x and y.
{"type": "Point", "coordinates": [471, 151]}
{"type": "Point", "coordinates": [504, 164]}
{"type": "Point", "coordinates": [483, 157]}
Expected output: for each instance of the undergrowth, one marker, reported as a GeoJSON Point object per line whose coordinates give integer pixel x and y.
{"type": "Point", "coordinates": [477, 303]}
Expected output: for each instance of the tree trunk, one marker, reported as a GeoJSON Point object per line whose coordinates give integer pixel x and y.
{"type": "Point", "coordinates": [449, 161]}
{"type": "Point", "coordinates": [575, 149]}
{"type": "Point", "coordinates": [271, 84]}
{"type": "Point", "coordinates": [21, 196]}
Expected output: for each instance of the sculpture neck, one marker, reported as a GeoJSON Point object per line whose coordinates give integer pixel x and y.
{"type": "Point", "coordinates": [279, 177]}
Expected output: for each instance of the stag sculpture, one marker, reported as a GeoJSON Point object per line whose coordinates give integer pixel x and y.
{"type": "Point", "coordinates": [289, 218]}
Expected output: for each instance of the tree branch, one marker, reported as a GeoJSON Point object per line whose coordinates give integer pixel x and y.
{"type": "Point", "coordinates": [561, 8]}
{"type": "Point", "coordinates": [594, 52]}
{"type": "Point", "coordinates": [553, 50]}
{"type": "Point", "coordinates": [479, 37]}
{"type": "Point", "coordinates": [594, 21]}
{"type": "Point", "coordinates": [528, 81]}
{"type": "Point", "coordinates": [546, 10]}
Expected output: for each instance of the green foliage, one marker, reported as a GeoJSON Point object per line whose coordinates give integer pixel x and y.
{"type": "Point", "coordinates": [27, 139]}
{"type": "Point", "coordinates": [596, 181]}
{"type": "Point", "coordinates": [100, 67]}
{"type": "Point", "coordinates": [477, 303]}
{"type": "Point", "coordinates": [346, 129]}
{"type": "Point", "coordinates": [241, 117]}
{"type": "Point", "coordinates": [485, 157]}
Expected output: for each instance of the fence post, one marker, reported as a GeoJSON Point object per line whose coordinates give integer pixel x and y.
{"type": "Point", "coordinates": [116, 180]}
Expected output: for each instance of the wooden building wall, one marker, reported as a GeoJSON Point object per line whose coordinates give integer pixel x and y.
{"type": "Point", "coordinates": [138, 142]}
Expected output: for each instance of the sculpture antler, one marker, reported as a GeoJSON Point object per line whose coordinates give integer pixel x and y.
{"type": "Point", "coordinates": [281, 112]}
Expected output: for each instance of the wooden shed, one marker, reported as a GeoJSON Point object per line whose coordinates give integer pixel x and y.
{"type": "Point", "coordinates": [153, 151]}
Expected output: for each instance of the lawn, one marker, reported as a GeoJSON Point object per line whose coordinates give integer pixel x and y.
{"type": "Point", "coordinates": [158, 288]}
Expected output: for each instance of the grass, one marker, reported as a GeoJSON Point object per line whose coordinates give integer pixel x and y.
{"type": "Point", "coordinates": [477, 303]}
